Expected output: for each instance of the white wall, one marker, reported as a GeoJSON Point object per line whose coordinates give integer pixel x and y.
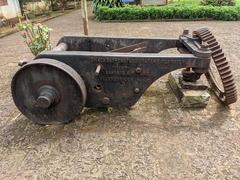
{"type": "Point", "coordinates": [11, 10]}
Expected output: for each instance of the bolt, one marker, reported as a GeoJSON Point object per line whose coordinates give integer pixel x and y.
{"type": "Point", "coordinates": [44, 101]}
{"type": "Point", "coordinates": [22, 62]}
{"type": "Point", "coordinates": [47, 96]}
{"type": "Point", "coordinates": [136, 90]}
{"type": "Point", "coordinates": [138, 70]}
{"type": "Point", "coordinates": [105, 100]}
{"type": "Point", "coordinates": [98, 69]}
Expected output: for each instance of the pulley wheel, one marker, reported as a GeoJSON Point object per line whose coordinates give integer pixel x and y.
{"type": "Point", "coordinates": [48, 91]}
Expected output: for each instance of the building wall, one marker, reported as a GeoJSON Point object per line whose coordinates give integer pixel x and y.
{"type": "Point", "coordinates": [11, 10]}
{"type": "Point", "coordinates": [3, 2]}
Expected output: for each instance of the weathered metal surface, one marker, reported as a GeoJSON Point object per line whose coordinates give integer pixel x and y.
{"type": "Point", "coordinates": [104, 44]}
{"type": "Point", "coordinates": [131, 48]}
{"type": "Point", "coordinates": [60, 47]}
{"type": "Point", "coordinates": [120, 73]}
{"type": "Point", "coordinates": [48, 91]}
{"type": "Point", "coordinates": [113, 72]}
{"type": "Point", "coordinates": [225, 90]}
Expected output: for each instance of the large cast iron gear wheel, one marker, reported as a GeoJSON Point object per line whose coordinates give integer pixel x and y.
{"type": "Point", "coordinates": [226, 91]}
{"type": "Point", "coordinates": [48, 91]}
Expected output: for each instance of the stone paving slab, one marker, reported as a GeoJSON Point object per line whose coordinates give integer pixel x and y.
{"type": "Point", "coordinates": [155, 139]}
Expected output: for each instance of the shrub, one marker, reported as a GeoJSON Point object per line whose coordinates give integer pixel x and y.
{"type": "Point", "coordinates": [107, 3]}
{"type": "Point", "coordinates": [36, 7]}
{"type": "Point", "coordinates": [227, 13]}
{"type": "Point", "coordinates": [218, 2]}
{"type": "Point", "coordinates": [36, 36]}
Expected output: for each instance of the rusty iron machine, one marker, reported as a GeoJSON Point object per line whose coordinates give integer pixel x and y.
{"type": "Point", "coordinates": [113, 72]}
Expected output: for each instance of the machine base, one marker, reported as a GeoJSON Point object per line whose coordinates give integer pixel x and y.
{"type": "Point", "coordinates": [190, 95]}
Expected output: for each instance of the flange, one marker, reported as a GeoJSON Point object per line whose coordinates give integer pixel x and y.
{"type": "Point", "coordinates": [48, 91]}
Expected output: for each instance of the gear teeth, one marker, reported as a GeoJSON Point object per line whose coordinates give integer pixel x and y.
{"type": "Point", "coordinates": [206, 35]}
{"type": "Point", "coordinates": [217, 56]}
{"type": "Point", "coordinates": [213, 44]}
{"type": "Point", "coordinates": [221, 64]}
{"type": "Point", "coordinates": [220, 59]}
{"type": "Point", "coordinates": [211, 41]}
{"type": "Point", "coordinates": [229, 95]}
{"type": "Point", "coordinates": [217, 51]}
{"type": "Point", "coordinates": [202, 30]}
{"type": "Point", "coordinates": [232, 91]}
{"type": "Point", "coordinates": [229, 84]}
{"type": "Point", "coordinates": [231, 98]}
{"type": "Point", "coordinates": [224, 68]}
{"type": "Point", "coordinates": [227, 79]}
{"type": "Point", "coordinates": [214, 48]}
{"type": "Point", "coordinates": [232, 95]}
{"type": "Point", "coordinates": [210, 37]}
{"type": "Point", "coordinates": [226, 72]}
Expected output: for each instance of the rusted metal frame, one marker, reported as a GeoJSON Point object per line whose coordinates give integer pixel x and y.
{"type": "Point", "coordinates": [121, 77]}
{"type": "Point", "coordinates": [194, 47]}
{"type": "Point", "coordinates": [61, 47]}
{"type": "Point", "coordinates": [131, 48]}
{"type": "Point", "coordinates": [135, 48]}
{"type": "Point", "coordinates": [188, 59]}
{"type": "Point", "coordinates": [104, 44]}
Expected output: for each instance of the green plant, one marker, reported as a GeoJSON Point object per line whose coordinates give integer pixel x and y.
{"type": "Point", "coordinates": [36, 36]}
{"type": "Point", "coordinates": [107, 3]}
{"type": "Point", "coordinates": [36, 8]}
{"type": "Point", "coordinates": [218, 2]}
{"type": "Point", "coordinates": [227, 13]}
{"type": "Point", "coordinates": [58, 4]}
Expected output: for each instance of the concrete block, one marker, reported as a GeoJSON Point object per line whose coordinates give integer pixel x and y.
{"type": "Point", "coordinates": [189, 94]}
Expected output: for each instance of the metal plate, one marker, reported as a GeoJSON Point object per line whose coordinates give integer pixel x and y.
{"type": "Point", "coordinates": [48, 72]}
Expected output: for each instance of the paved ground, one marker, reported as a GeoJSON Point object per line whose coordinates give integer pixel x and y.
{"type": "Point", "coordinates": [156, 139]}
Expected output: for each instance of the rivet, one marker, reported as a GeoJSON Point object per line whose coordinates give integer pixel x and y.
{"type": "Point", "coordinates": [105, 100]}
{"type": "Point", "coordinates": [136, 90]}
{"type": "Point", "coordinates": [138, 70]}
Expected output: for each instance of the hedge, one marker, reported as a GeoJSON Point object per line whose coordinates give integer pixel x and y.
{"type": "Point", "coordinates": [228, 13]}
